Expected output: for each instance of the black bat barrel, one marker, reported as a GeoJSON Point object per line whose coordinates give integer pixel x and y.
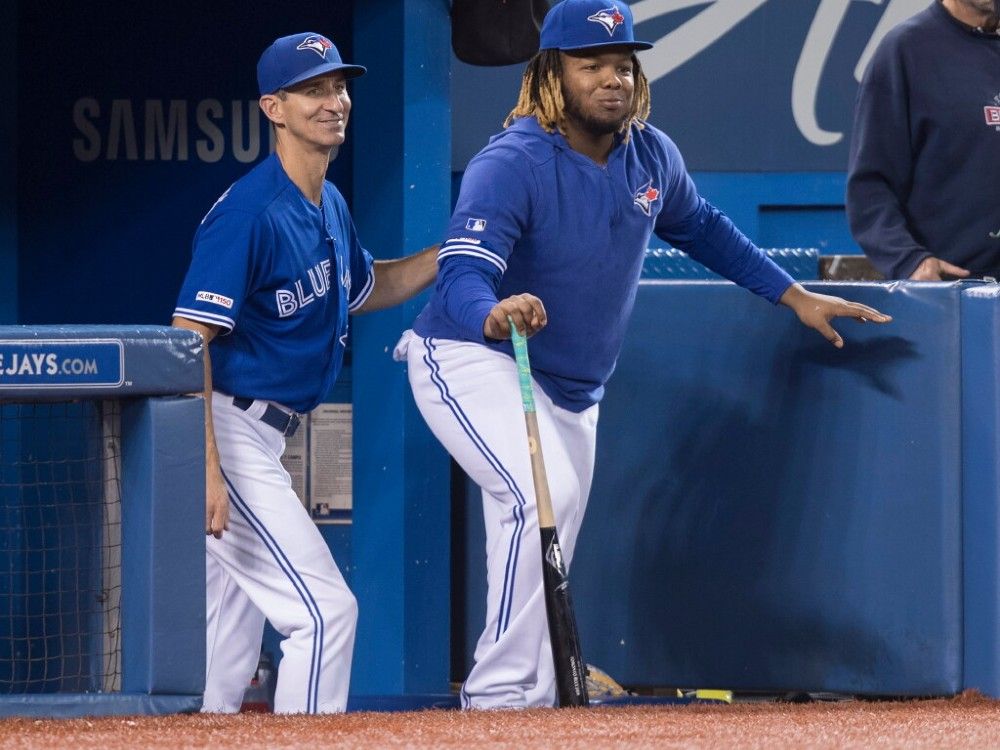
{"type": "Point", "coordinates": [571, 672]}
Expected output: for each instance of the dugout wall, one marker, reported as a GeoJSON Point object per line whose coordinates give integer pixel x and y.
{"type": "Point", "coordinates": [771, 514]}
{"type": "Point", "coordinates": [790, 517]}
{"type": "Point", "coordinates": [102, 577]}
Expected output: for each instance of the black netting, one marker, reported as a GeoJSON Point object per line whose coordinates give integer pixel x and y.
{"type": "Point", "coordinates": [60, 547]}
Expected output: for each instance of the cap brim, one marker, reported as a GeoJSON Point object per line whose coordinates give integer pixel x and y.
{"type": "Point", "coordinates": [349, 71]}
{"type": "Point", "coordinates": [635, 46]}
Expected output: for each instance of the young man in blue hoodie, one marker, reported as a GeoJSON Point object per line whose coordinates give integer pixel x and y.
{"type": "Point", "coordinates": [923, 192]}
{"type": "Point", "coordinates": [551, 228]}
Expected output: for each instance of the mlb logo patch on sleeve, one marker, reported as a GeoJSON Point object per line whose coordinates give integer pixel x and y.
{"type": "Point", "coordinates": [215, 299]}
{"type": "Point", "coordinates": [476, 225]}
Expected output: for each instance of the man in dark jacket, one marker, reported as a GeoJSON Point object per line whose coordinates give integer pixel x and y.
{"type": "Point", "coordinates": [923, 191]}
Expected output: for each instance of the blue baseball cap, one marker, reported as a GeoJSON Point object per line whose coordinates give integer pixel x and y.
{"type": "Point", "coordinates": [581, 24]}
{"type": "Point", "coordinates": [296, 58]}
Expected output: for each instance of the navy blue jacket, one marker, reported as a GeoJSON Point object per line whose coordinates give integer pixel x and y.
{"type": "Point", "coordinates": [924, 174]}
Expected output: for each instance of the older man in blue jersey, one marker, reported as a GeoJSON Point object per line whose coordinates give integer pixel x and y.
{"type": "Point", "coordinates": [551, 228]}
{"type": "Point", "coordinates": [277, 267]}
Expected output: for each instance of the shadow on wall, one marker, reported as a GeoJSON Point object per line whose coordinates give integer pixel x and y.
{"type": "Point", "coordinates": [725, 518]}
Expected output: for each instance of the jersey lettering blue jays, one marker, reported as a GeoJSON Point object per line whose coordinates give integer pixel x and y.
{"type": "Point", "coordinates": [535, 216]}
{"type": "Point", "coordinates": [279, 275]}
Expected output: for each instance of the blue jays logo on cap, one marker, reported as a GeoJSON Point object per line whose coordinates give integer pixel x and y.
{"type": "Point", "coordinates": [289, 60]}
{"type": "Point", "coordinates": [581, 24]}
{"type": "Point", "coordinates": [318, 44]}
{"type": "Point", "coordinates": [610, 18]}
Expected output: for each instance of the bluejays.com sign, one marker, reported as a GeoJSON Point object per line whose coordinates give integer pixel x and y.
{"type": "Point", "coordinates": [80, 363]}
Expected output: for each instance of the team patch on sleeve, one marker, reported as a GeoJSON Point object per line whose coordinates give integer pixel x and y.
{"type": "Point", "coordinates": [215, 299]}
{"type": "Point", "coordinates": [470, 247]}
{"type": "Point", "coordinates": [476, 225]}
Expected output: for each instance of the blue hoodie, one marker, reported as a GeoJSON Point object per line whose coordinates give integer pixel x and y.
{"type": "Point", "coordinates": [536, 216]}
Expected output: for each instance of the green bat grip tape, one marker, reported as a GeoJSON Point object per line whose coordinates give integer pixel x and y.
{"type": "Point", "coordinates": [523, 366]}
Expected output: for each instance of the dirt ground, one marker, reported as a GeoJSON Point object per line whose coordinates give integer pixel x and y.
{"type": "Point", "coordinates": [966, 721]}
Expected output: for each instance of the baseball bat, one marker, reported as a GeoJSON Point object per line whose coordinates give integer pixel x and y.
{"type": "Point", "coordinates": [571, 672]}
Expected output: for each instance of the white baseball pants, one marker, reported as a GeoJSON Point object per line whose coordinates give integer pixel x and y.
{"type": "Point", "coordinates": [470, 398]}
{"type": "Point", "coordinates": [272, 563]}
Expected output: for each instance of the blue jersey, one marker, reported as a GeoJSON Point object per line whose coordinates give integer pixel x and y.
{"type": "Point", "coordinates": [536, 216]}
{"type": "Point", "coordinates": [279, 275]}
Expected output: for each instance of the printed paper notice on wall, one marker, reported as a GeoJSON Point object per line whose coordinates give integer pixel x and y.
{"type": "Point", "coordinates": [330, 452]}
{"type": "Point", "coordinates": [294, 460]}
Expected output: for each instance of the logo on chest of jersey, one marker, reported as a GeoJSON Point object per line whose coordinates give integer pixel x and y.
{"type": "Point", "coordinates": [992, 113]}
{"type": "Point", "coordinates": [645, 197]}
{"type": "Point", "coordinates": [291, 301]}
{"type": "Point", "coordinates": [610, 18]}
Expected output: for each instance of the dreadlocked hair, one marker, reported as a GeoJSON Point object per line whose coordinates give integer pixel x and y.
{"type": "Point", "coordinates": [541, 95]}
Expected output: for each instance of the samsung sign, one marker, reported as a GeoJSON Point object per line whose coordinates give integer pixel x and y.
{"type": "Point", "coordinates": [206, 130]}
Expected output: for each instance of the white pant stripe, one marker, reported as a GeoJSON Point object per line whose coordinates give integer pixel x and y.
{"type": "Point", "coordinates": [514, 549]}
{"type": "Point", "coordinates": [297, 583]}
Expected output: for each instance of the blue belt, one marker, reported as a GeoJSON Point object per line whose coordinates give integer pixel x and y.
{"type": "Point", "coordinates": [283, 422]}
